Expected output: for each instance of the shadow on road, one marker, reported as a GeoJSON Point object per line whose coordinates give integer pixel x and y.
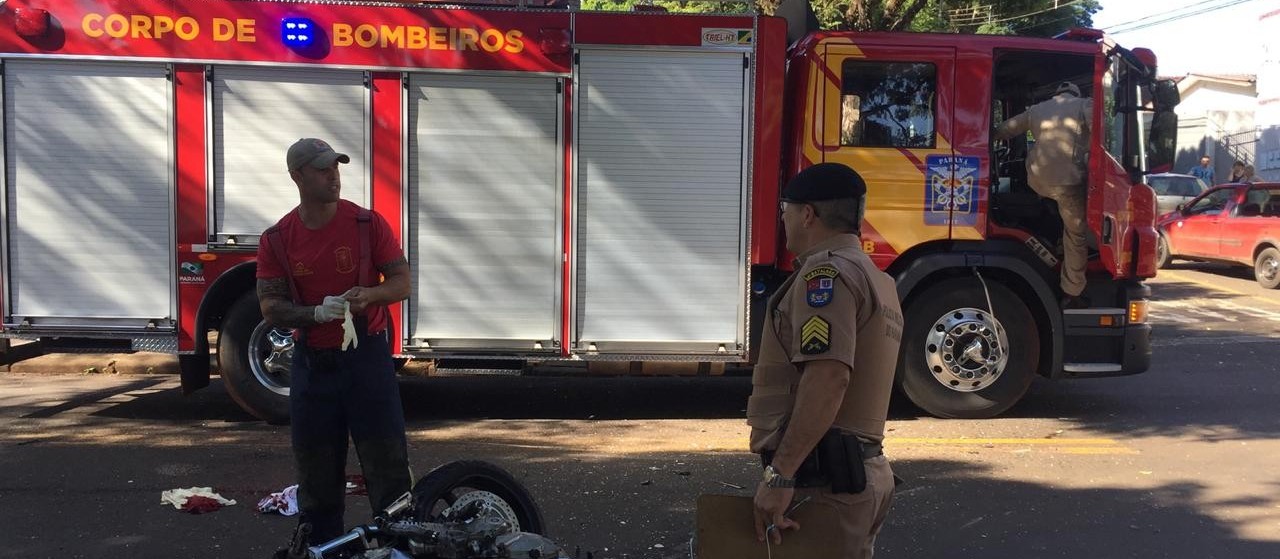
{"type": "Point", "coordinates": [1178, 290]}
{"type": "Point", "coordinates": [1198, 384]}
{"type": "Point", "coordinates": [1211, 378]}
{"type": "Point", "coordinates": [618, 507]}
{"type": "Point", "coordinates": [1203, 391]}
{"type": "Point", "coordinates": [1198, 389]}
{"type": "Point", "coordinates": [494, 397]}
{"type": "Point", "coordinates": [1227, 270]}
{"type": "Point", "coordinates": [503, 397]}
{"type": "Point", "coordinates": [988, 517]}
{"type": "Point", "coordinates": [575, 397]}
{"type": "Point", "coordinates": [211, 403]}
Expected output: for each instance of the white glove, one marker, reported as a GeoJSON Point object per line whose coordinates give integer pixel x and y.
{"type": "Point", "coordinates": [349, 330]}
{"type": "Point", "coordinates": [331, 309]}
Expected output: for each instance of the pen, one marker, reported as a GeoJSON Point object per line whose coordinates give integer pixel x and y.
{"type": "Point", "coordinates": [787, 514]}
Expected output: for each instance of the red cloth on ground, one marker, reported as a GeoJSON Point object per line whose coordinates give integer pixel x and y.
{"type": "Point", "coordinates": [197, 504]}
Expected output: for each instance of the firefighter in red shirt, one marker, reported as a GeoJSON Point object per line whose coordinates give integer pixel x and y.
{"type": "Point", "coordinates": [320, 258]}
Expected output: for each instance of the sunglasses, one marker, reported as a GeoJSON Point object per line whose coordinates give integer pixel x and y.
{"type": "Point", "coordinates": [782, 205]}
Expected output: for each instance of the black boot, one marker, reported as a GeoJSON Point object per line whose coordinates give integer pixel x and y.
{"type": "Point", "coordinates": [1070, 302]}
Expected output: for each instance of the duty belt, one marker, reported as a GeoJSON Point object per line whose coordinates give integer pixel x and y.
{"type": "Point", "coordinates": [811, 472]}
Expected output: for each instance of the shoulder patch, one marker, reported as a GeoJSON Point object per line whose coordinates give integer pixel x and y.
{"type": "Point", "coordinates": [815, 336]}
{"type": "Point", "coordinates": [819, 285]}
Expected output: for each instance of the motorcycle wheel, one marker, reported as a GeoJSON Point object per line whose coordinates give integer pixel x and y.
{"type": "Point", "coordinates": [468, 480]}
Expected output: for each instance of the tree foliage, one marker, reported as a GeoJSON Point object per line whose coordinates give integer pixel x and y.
{"type": "Point", "coordinates": [677, 6]}
{"type": "Point", "coordinates": [1000, 17]}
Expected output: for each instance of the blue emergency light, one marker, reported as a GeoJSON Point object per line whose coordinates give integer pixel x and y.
{"type": "Point", "coordinates": [297, 32]}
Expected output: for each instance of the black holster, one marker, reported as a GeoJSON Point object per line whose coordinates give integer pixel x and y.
{"type": "Point", "coordinates": [837, 461]}
{"type": "Point", "coordinates": [841, 455]}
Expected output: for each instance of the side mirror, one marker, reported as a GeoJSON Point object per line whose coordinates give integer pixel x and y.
{"type": "Point", "coordinates": [1165, 94]}
{"type": "Point", "coordinates": [1164, 138]}
{"type": "Point", "coordinates": [1182, 208]}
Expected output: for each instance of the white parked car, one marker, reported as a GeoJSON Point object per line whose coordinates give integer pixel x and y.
{"type": "Point", "coordinates": [1173, 189]}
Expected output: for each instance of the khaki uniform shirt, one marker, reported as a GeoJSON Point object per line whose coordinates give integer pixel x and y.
{"type": "Point", "coordinates": [838, 306]}
{"type": "Point", "coordinates": [1060, 126]}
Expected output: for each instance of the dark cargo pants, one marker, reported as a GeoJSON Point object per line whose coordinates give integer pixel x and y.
{"type": "Point", "coordinates": [334, 393]}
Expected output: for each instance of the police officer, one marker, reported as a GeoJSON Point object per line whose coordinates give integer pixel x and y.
{"type": "Point", "coordinates": [821, 385]}
{"type": "Point", "coordinates": [1056, 170]}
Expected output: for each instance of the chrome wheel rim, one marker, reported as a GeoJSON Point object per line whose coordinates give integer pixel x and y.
{"type": "Point", "coordinates": [1268, 268]}
{"type": "Point", "coordinates": [966, 350]}
{"type": "Point", "coordinates": [271, 357]}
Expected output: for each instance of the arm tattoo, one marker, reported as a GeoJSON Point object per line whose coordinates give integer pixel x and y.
{"type": "Point", "coordinates": [389, 266]}
{"type": "Point", "coordinates": [278, 306]}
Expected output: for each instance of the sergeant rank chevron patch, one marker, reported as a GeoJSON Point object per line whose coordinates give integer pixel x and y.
{"type": "Point", "coordinates": [815, 336]}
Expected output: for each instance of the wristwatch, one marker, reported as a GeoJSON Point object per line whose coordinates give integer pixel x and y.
{"type": "Point", "coordinates": [776, 480]}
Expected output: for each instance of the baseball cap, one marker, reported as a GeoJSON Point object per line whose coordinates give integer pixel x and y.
{"type": "Point", "coordinates": [825, 181]}
{"type": "Point", "coordinates": [1068, 87]}
{"type": "Point", "coordinates": [315, 152]}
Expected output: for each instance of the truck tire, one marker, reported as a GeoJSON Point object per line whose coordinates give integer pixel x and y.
{"type": "Point", "coordinates": [1163, 256]}
{"type": "Point", "coordinates": [254, 361]}
{"type": "Point", "coordinates": [469, 480]}
{"type": "Point", "coordinates": [1266, 268]}
{"type": "Point", "coordinates": [957, 359]}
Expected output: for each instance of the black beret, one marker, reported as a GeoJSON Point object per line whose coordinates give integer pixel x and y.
{"type": "Point", "coordinates": [825, 181]}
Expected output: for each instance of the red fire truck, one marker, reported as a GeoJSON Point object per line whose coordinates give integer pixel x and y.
{"type": "Point", "coordinates": [567, 185]}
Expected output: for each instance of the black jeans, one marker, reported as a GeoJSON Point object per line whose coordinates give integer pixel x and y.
{"type": "Point", "coordinates": [334, 393]}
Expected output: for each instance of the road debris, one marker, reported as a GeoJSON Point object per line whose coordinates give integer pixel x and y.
{"type": "Point", "coordinates": [195, 500]}
{"type": "Point", "coordinates": [355, 485]}
{"type": "Point", "coordinates": [284, 502]}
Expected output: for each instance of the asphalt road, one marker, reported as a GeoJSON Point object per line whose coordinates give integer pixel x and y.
{"type": "Point", "coordinates": [1177, 462]}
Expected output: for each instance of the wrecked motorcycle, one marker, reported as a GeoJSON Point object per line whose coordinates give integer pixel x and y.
{"type": "Point", "coordinates": [461, 510]}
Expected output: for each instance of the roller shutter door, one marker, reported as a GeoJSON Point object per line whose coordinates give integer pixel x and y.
{"type": "Point", "coordinates": [257, 114]}
{"type": "Point", "coordinates": [661, 202]}
{"type": "Point", "coordinates": [88, 162]}
{"type": "Point", "coordinates": [485, 195]}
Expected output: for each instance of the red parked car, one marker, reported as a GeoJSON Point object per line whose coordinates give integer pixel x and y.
{"type": "Point", "coordinates": [1233, 223]}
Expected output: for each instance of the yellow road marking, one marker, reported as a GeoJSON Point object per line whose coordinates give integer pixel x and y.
{"type": "Point", "coordinates": [981, 442]}
{"type": "Point", "coordinates": [1098, 450]}
{"type": "Point", "coordinates": [1065, 446]}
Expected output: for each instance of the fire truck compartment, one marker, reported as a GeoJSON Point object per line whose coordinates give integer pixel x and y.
{"type": "Point", "coordinates": [661, 203]}
{"type": "Point", "coordinates": [88, 158]}
{"type": "Point", "coordinates": [255, 111]}
{"type": "Point", "coordinates": [485, 195]}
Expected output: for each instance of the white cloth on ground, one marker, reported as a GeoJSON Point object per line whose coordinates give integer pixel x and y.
{"type": "Point", "coordinates": [178, 497]}
{"type": "Point", "coordinates": [284, 502]}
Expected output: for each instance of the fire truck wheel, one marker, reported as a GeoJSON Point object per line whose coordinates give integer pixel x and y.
{"type": "Point", "coordinates": [959, 360]}
{"type": "Point", "coordinates": [1266, 268]}
{"type": "Point", "coordinates": [254, 361]}
{"type": "Point", "coordinates": [1163, 258]}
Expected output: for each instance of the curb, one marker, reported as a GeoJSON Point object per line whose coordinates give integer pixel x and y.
{"type": "Point", "coordinates": [94, 363]}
